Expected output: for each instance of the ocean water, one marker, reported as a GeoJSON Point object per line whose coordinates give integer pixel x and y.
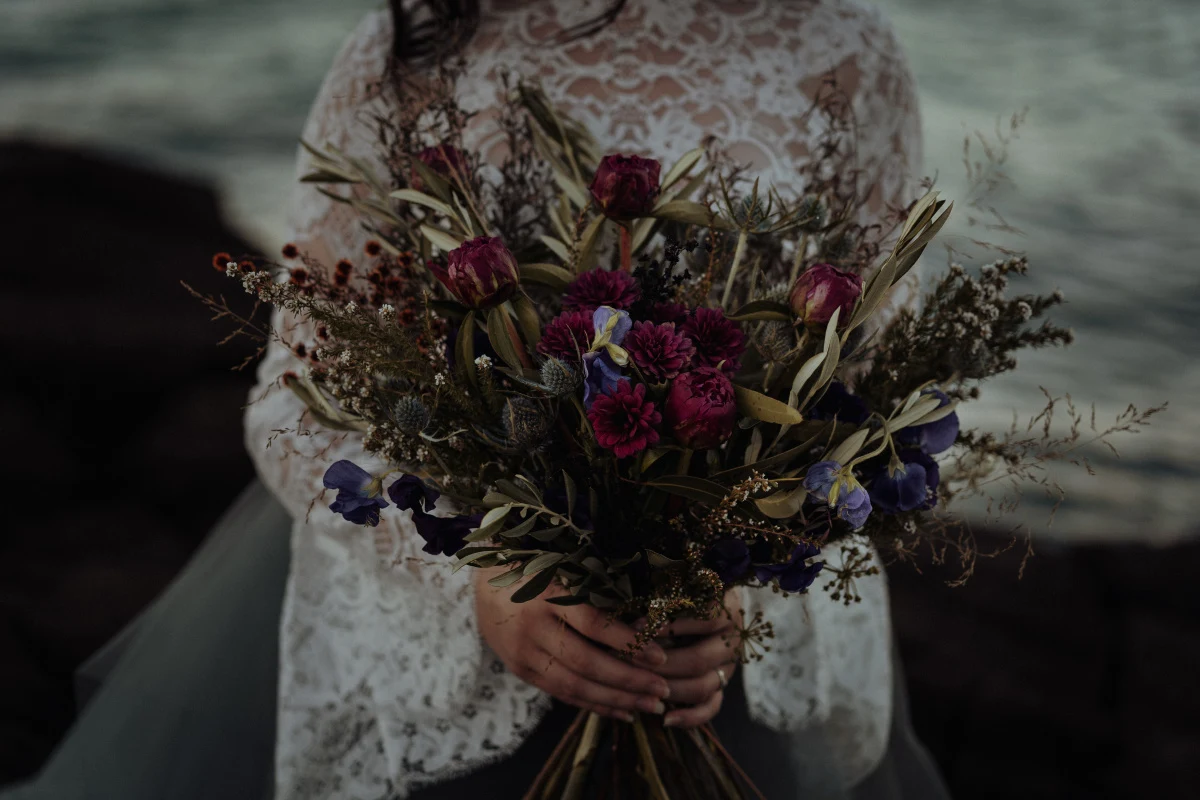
{"type": "Point", "coordinates": [1106, 173]}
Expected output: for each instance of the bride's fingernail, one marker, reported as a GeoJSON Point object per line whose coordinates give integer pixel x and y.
{"type": "Point", "coordinates": [651, 706]}
{"type": "Point", "coordinates": [655, 654]}
{"type": "Point", "coordinates": [670, 721]}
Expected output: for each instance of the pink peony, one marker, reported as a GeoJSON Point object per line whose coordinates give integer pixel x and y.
{"type": "Point", "coordinates": [626, 186]}
{"type": "Point", "coordinates": [624, 420]}
{"type": "Point", "coordinates": [659, 351]}
{"type": "Point", "coordinates": [567, 336]}
{"type": "Point", "coordinates": [820, 290]}
{"type": "Point", "coordinates": [701, 408]}
{"type": "Point", "coordinates": [717, 339]}
{"type": "Point", "coordinates": [601, 287]}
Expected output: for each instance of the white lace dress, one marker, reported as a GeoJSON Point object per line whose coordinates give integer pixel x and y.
{"type": "Point", "coordinates": [385, 682]}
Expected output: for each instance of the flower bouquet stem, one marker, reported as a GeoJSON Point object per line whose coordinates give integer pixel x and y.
{"type": "Point", "coordinates": [640, 760]}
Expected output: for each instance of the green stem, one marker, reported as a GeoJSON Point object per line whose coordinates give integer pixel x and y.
{"type": "Point", "coordinates": [798, 262]}
{"type": "Point", "coordinates": [738, 253]}
{"type": "Point", "coordinates": [586, 751]}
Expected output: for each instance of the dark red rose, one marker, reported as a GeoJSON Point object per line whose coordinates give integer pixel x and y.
{"type": "Point", "coordinates": [480, 272]}
{"type": "Point", "coordinates": [717, 339]}
{"type": "Point", "coordinates": [820, 290]}
{"type": "Point", "coordinates": [568, 336]}
{"type": "Point", "coordinates": [659, 351]}
{"type": "Point", "coordinates": [701, 408]}
{"type": "Point", "coordinates": [601, 287]}
{"type": "Point", "coordinates": [445, 160]}
{"type": "Point", "coordinates": [626, 186]}
{"type": "Point", "coordinates": [624, 420]}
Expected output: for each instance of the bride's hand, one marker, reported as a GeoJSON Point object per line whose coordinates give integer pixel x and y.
{"type": "Point", "coordinates": [554, 648]}
{"type": "Point", "coordinates": [692, 671]}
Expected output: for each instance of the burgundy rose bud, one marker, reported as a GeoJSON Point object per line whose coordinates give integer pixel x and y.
{"type": "Point", "coordinates": [701, 409]}
{"type": "Point", "coordinates": [626, 186]}
{"type": "Point", "coordinates": [820, 290]}
{"type": "Point", "coordinates": [481, 272]}
{"type": "Point", "coordinates": [446, 160]}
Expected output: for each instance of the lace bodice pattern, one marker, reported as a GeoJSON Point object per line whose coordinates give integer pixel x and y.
{"type": "Point", "coordinates": [385, 682]}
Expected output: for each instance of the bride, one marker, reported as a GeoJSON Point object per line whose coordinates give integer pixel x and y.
{"type": "Point", "coordinates": [396, 682]}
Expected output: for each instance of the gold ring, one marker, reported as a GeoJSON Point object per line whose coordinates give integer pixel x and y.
{"type": "Point", "coordinates": [721, 678]}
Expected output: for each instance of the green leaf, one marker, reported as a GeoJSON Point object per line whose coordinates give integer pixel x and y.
{"type": "Point", "coordinates": [568, 599]}
{"type": "Point", "coordinates": [659, 561]}
{"type": "Point", "coordinates": [432, 181]}
{"type": "Point", "coordinates": [551, 275]}
{"type": "Point", "coordinates": [493, 499]}
{"type": "Point", "coordinates": [569, 488]}
{"type": "Point", "coordinates": [588, 241]}
{"type": "Point", "coordinates": [499, 336]}
{"type": "Point", "coordinates": [783, 504]}
{"type": "Point", "coordinates": [521, 493]}
{"type": "Point", "coordinates": [519, 530]}
{"type": "Point", "coordinates": [422, 199]}
{"type": "Point", "coordinates": [779, 459]}
{"type": "Point", "coordinates": [571, 189]}
{"type": "Point", "coordinates": [548, 534]}
{"type": "Point", "coordinates": [689, 212]}
{"type": "Point", "coordinates": [682, 167]}
{"type": "Point", "coordinates": [506, 579]}
{"type": "Point", "coordinates": [464, 351]}
{"type": "Point", "coordinates": [557, 247]}
{"type": "Point", "coordinates": [763, 311]}
{"type": "Point", "coordinates": [541, 562]}
{"type": "Point", "coordinates": [441, 239]}
{"type": "Point", "coordinates": [767, 409]}
{"type": "Point", "coordinates": [471, 558]}
{"type": "Point", "coordinates": [527, 318]}
{"type": "Point", "coordinates": [705, 491]}
{"type": "Point", "coordinates": [328, 175]}
{"type": "Point", "coordinates": [534, 586]}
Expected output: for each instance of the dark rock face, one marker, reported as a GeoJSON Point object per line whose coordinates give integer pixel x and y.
{"type": "Point", "coordinates": [1079, 680]}
{"type": "Point", "coordinates": [122, 420]}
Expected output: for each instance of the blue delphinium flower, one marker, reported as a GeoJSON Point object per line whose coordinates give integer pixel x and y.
{"type": "Point", "coordinates": [729, 558]}
{"type": "Point", "coordinates": [442, 535]}
{"type": "Point", "coordinates": [796, 574]}
{"type": "Point", "coordinates": [830, 482]}
{"type": "Point", "coordinates": [838, 402]}
{"type": "Point", "coordinates": [906, 485]}
{"type": "Point", "coordinates": [933, 437]}
{"type": "Point", "coordinates": [358, 493]}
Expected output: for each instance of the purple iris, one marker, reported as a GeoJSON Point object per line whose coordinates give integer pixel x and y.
{"type": "Point", "coordinates": [730, 558]}
{"type": "Point", "coordinates": [851, 500]}
{"type": "Point", "coordinates": [913, 486]}
{"type": "Point", "coordinates": [837, 402]}
{"type": "Point", "coordinates": [796, 574]}
{"type": "Point", "coordinates": [442, 535]}
{"type": "Point", "coordinates": [934, 437]}
{"type": "Point", "coordinates": [600, 376]}
{"type": "Point", "coordinates": [356, 501]}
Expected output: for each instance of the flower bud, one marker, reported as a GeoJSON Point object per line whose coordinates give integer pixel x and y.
{"type": "Point", "coordinates": [481, 272]}
{"type": "Point", "coordinates": [626, 187]}
{"type": "Point", "coordinates": [820, 290]}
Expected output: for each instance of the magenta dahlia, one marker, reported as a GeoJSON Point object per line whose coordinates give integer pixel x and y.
{"type": "Point", "coordinates": [624, 420]}
{"type": "Point", "coordinates": [659, 351]}
{"type": "Point", "coordinates": [567, 336]}
{"type": "Point", "coordinates": [601, 287]}
{"type": "Point", "coordinates": [668, 312]}
{"type": "Point", "coordinates": [717, 339]}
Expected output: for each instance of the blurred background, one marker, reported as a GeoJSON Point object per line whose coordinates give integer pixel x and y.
{"type": "Point", "coordinates": [137, 137]}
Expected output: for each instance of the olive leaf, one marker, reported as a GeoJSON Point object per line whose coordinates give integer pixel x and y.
{"type": "Point", "coordinates": [763, 311]}
{"type": "Point", "coordinates": [700, 489]}
{"type": "Point", "coordinates": [550, 275]}
{"type": "Point", "coordinates": [535, 585]}
{"type": "Point", "coordinates": [766, 409]}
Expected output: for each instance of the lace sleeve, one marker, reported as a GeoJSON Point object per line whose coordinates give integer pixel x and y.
{"type": "Point", "coordinates": [830, 664]}
{"type": "Point", "coordinates": [369, 629]}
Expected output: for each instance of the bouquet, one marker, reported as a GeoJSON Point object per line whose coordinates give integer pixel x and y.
{"type": "Point", "coordinates": [647, 386]}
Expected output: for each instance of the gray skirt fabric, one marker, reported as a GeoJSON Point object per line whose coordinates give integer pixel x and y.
{"type": "Point", "coordinates": [186, 708]}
